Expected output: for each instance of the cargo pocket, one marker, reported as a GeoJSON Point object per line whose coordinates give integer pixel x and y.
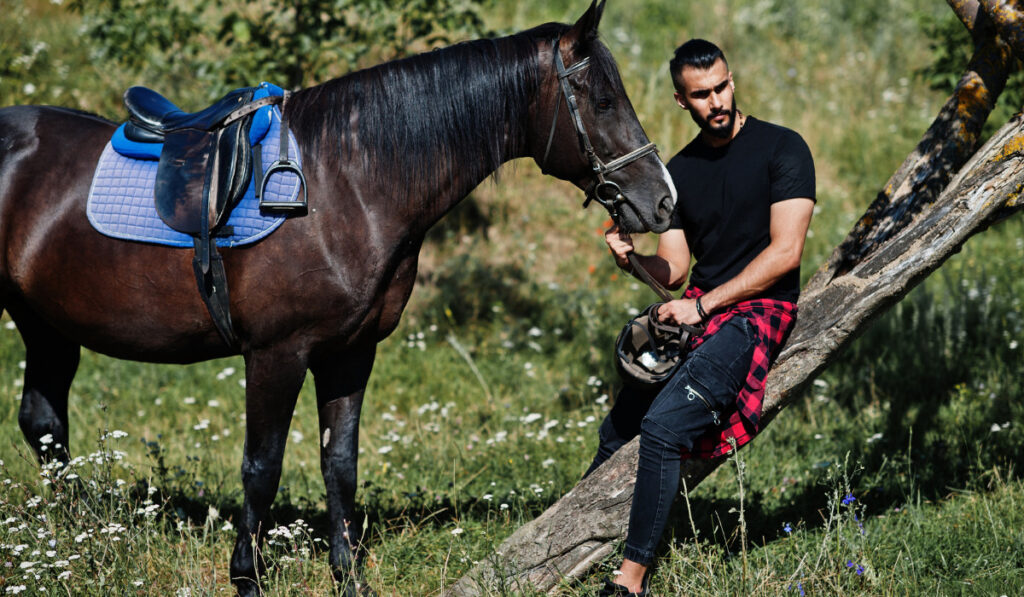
{"type": "Point", "coordinates": [718, 368]}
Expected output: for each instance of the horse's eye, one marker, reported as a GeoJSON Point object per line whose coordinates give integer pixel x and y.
{"type": "Point", "coordinates": [604, 104]}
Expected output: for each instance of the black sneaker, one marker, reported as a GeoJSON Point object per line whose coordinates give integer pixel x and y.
{"type": "Point", "coordinates": [611, 589]}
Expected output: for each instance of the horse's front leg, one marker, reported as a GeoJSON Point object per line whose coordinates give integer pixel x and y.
{"type": "Point", "coordinates": [340, 383]}
{"type": "Point", "coordinates": [273, 380]}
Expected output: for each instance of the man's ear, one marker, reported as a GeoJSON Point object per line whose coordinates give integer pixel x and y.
{"type": "Point", "coordinates": [584, 32]}
{"type": "Point", "coordinates": [681, 101]}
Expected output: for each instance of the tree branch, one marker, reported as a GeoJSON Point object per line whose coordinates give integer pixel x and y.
{"type": "Point", "coordinates": [945, 147]}
{"type": "Point", "coordinates": [1008, 19]}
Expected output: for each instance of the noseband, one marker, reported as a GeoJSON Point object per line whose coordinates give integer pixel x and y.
{"type": "Point", "coordinates": [605, 192]}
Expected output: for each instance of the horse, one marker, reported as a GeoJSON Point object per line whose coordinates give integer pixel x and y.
{"type": "Point", "coordinates": [387, 151]}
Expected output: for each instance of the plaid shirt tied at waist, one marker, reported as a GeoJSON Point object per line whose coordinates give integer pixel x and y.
{"type": "Point", "coordinates": [772, 320]}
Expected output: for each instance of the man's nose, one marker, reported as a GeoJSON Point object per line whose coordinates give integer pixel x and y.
{"type": "Point", "coordinates": [716, 101]}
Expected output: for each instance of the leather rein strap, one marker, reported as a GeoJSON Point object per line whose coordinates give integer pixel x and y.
{"type": "Point", "coordinates": [605, 192]}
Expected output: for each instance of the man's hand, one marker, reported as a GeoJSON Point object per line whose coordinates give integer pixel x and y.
{"type": "Point", "coordinates": [679, 311]}
{"type": "Point", "coordinates": [620, 243]}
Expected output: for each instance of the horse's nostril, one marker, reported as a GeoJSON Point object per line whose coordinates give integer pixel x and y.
{"type": "Point", "coordinates": [665, 206]}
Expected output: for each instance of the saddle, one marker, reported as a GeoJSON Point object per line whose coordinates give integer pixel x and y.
{"type": "Point", "coordinates": [206, 163]}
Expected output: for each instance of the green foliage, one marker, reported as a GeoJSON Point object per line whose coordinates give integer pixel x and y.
{"type": "Point", "coordinates": [223, 44]}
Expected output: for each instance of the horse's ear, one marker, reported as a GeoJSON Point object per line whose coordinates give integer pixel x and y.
{"type": "Point", "coordinates": [584, 32]}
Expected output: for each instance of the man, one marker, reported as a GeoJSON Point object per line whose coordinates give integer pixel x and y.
{"type": "Point", "coordinates": [746, 195]}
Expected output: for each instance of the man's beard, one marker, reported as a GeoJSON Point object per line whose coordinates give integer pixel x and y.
{"type": "Point", "coordinates": [722, 132]}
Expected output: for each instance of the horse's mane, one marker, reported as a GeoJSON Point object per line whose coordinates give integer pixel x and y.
{"type": "Point", "coordinates": [450, 106]}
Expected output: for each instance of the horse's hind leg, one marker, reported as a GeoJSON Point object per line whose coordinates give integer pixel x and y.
{"type": "Point", "coordinates": [340, 383]}
{"type": "Point", "coordinates": [50, 364]}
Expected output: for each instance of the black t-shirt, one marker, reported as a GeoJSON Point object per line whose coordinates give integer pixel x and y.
{"type": "Point", "coordinates": [725, 198]}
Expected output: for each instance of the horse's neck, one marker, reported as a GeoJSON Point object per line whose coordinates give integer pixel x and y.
{"type": "Point", "coordinates": [428, 129]}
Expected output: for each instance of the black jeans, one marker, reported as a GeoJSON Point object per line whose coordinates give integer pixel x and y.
{"type": "Point", "coordinates": [699, 397]}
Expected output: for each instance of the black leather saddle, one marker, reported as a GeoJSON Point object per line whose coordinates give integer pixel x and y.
{"type": "Point", "coordinates": [206, 161]}
{"type": "Point", "coordinates": [206, 165]}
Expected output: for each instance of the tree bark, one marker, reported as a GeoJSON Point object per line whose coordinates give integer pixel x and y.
{"type": "Point", "coordinates": [1007, 16]}
{"type": "Point", "coordinates": [907, 233]}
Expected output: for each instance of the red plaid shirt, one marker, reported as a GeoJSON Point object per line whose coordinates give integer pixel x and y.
{"type": "Point", "coordinates": [772, 319]}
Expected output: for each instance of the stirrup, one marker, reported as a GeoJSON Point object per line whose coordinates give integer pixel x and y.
{"type": "Point", "coordinates": [289, 207]}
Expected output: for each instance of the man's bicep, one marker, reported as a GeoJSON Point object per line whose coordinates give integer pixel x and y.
{"type": "Point", "coordinates": [673, 248]}
{"type": "Point", "coordinates": [790, 219]}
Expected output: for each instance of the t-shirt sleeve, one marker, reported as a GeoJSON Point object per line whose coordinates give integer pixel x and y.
{"type": "Point", "coordinates": [792, 169]}
{"type": "Point", "coordinates": [674, 168]}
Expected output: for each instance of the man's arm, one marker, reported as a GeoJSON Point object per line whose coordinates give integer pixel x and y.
{"type": "Point", "coordinates": [789, 222]}
{"type": "Point", "coordinates": [669, 266]}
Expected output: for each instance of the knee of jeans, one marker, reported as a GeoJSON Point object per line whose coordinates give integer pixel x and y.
{"type": "Point", "coordinates": [657, 436]}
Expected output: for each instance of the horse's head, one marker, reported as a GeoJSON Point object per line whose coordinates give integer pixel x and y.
{"type": "Point", "coordinates": [588, 133]}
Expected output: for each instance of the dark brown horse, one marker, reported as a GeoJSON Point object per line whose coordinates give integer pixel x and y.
{"type": "Point", "coordinates": [387, 152]}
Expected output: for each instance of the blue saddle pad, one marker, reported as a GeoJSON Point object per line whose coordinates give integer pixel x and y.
{"type": "Point", "coordinates": [122, 205]}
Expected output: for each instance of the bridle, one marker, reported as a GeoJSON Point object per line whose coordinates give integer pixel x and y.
{"type": "Point", "coordinates": [605, 192]}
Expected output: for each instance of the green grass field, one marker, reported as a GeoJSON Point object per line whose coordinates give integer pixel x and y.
{"type": "Point", "coordinates": [895, 474]}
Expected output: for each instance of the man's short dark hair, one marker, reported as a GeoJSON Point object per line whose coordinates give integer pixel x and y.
{"type": "Point", "coordinates": [696, 53]}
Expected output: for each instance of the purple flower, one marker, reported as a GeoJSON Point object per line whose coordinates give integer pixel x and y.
{"type": "Point", "coordinates": [849, 499]}
{"type": "Point", "coordinates": [849, 563]}
{"type": "Point", "coordinates": [786, 527]}
{"type": "Point", "coordinates": [860, 570]}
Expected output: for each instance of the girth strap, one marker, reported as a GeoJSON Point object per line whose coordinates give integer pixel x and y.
{"type": "Point", "coordinates": [213, 288]}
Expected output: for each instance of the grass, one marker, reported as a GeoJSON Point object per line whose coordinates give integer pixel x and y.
{"type": "Point", "coordinates": [484, 405]}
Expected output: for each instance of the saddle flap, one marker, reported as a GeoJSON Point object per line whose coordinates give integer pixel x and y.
{"type": "Point", "coordinates": [181, 178]}
{"type": "Point", "coordinates": [198, 169]}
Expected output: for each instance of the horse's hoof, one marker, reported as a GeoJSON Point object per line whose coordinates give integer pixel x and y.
{"type": "Point", "coordinates": [247, 588]}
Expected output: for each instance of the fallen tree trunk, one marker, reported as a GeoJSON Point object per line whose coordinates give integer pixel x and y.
{"type": "Point", "coordinates": [910, 230]}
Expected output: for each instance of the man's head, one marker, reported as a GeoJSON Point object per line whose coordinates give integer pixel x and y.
{"type": "Point", "coordinates": [704, 87]}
